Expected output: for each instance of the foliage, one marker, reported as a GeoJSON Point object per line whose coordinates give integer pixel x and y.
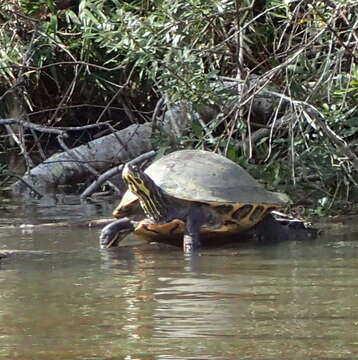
{"type": "Point", "coordinates": [122, 56]}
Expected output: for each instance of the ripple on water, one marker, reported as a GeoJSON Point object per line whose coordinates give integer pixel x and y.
{"type": "Point", "coordinates": [285, 301]}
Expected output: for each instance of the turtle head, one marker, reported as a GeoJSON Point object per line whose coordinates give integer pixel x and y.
{"type": "Point", "coordinates": [137, 181]}
{"type": "Point", "coordinates": [115, 232]}
{"type": "Point", "coordinates": [151, 197]}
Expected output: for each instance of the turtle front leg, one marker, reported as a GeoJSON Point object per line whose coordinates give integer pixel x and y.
{"type": "Point", "coordinates": [194, 220]}
{"type": "Point", "coordinates": [114, 232]}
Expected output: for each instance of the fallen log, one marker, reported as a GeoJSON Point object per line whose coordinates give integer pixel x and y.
{"type": "Point", "coordinates": [15, 252]}
{"type": "Point", "coordinates": [87, 161]}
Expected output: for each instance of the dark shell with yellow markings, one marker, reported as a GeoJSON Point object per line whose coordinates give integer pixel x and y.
{"type": "Point", "coordinates": [205, 177]}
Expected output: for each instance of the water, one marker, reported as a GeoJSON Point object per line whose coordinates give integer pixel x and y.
{"type": "Point", "coordinates": [67, 299]}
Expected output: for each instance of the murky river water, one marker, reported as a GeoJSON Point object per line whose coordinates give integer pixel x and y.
{"type": "Point", "coordinates": [75, 301]}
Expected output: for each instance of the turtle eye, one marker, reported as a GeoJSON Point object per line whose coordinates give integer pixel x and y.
{"type": "Point", "coordinates": [132, 175]}
{"type": "Point", "coordinates": [136, 174]}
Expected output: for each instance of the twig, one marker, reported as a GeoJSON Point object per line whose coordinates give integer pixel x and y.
{"type": "Point", "coordinates": [40, 128]}
{"type": "Point", "coordinates": [317, 123]}
{"type": "Point", "coordinates": [127, 110]}
{"type": "Point", "coordinates": [105, 109]}
{"type": "Point", "coordinates": [38, 144]}
{"type": "Point", "coordinates": [314, 118]}
{"type": "Point", "coordinates": [100, 180]}
{"type": "Point", "coordinates": [10, 173]}
{"type": "Point", "coordinates": [50, 130]}
{"type": "Point", "coordinates": [65, 97]}
{"type": "Point", "coordinates": [82, 106]}
{"type": "Point", "coordinates": [157, 108]}
{"type": "Point", "coordinates": [83, 127]}
{"type": "Point", "coordinates": [333, 137]}
{"type": "Point", "coordinates": [39, 68]}
{"type": "Point", "coordinates": [114, 171]}
{"type": "Point", "coordinates": [144, 157]}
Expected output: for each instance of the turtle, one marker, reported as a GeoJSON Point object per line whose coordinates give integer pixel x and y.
{"type": "Point", "coordinates": [192, 195]}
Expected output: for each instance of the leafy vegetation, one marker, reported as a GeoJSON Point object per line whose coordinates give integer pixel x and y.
{"type": "Point", "coordinates": [77, 62]}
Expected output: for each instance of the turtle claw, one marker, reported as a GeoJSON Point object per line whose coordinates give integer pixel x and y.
{"type": "Point", "coordinates": [190, 244]}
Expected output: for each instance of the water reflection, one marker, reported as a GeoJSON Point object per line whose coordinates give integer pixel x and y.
{"type": "Point", "coordinates": [55, 208]}
{"type": "Point", "coordinates": [291, 306]}
{"type": "Point", "coordinates": [140, 301]}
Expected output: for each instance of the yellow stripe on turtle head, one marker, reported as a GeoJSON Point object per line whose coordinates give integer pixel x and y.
{"type": "Point", "coordinates": [133, 178]}
{"type": "Point", "coordinates": [149, 194]}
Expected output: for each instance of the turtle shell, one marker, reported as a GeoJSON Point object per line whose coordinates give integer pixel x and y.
{"type": "Point", "coordinates": [202, 176]}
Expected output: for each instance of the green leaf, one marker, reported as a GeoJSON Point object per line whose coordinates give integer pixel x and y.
{"type": "Point", "coordinates": [197, 129]}
{"type": "Point", "coordinates": [231, 153]}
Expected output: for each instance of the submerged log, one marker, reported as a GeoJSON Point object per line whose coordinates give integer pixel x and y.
{"type": "Point", "coordinates": [86, 161]}
{"type": "Point", "coordinates": [15, 252]}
